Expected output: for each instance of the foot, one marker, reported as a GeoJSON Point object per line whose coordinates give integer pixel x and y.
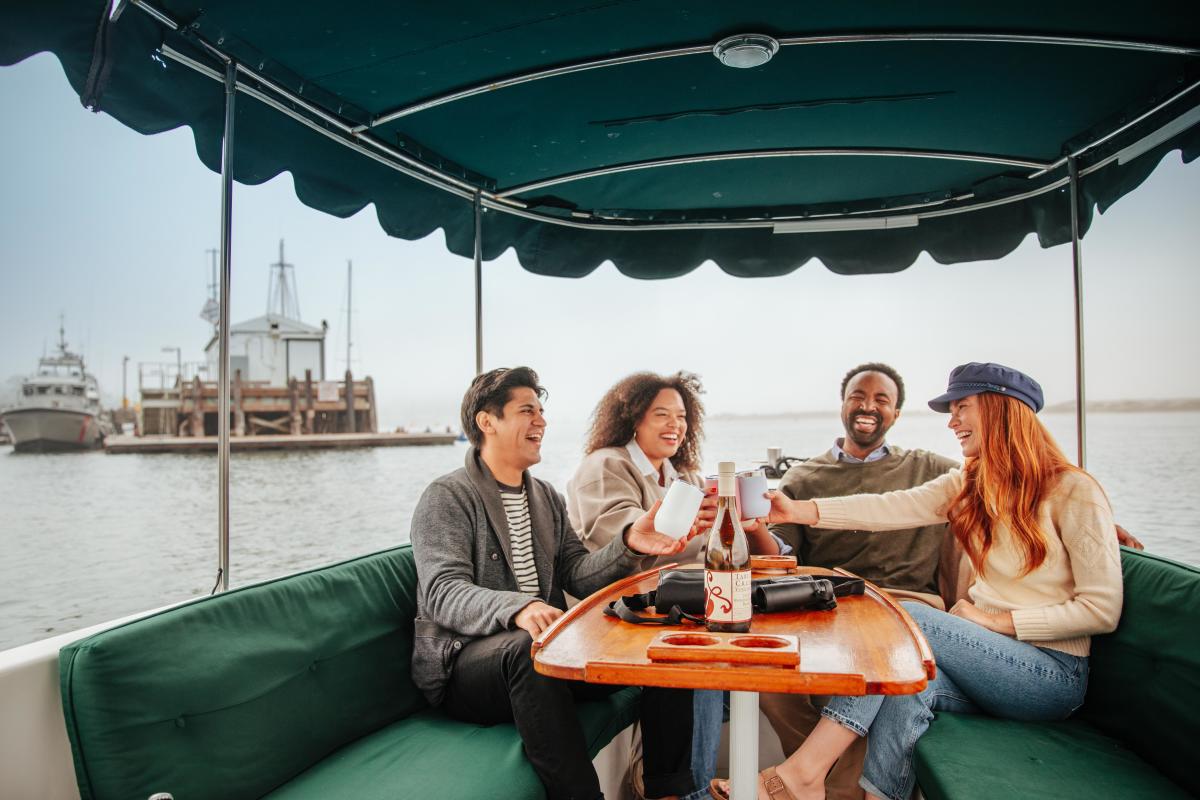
{"type": "Point", "coordinates": [772, 785]}
{"type": "Point", "coordinates": [780, 783]}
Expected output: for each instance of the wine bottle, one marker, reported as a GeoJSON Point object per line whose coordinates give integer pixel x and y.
{"type": "Point", "coordinates": [727, 606]}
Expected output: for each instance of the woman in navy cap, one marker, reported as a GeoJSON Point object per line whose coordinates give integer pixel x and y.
{"type": "Point", "coordinates": [1040, 535]}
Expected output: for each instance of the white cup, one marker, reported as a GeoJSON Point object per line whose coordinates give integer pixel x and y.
{"type": "Point", "coordinates": [678, 510]}
{"type": "Point", "coordinates": [751, 488]}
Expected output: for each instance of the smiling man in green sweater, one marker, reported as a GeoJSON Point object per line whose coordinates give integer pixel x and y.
{"type": "Point", "coordinates": [864, 462]}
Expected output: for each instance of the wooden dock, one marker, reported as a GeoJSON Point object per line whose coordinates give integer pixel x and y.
{"type": "Point", "coordinates": [298, 408]}
{"type": "Point", "coordinates": [202, 444]}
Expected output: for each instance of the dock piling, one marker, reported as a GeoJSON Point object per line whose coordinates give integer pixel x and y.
{"type": "Point", "coordinates": [351, 427]}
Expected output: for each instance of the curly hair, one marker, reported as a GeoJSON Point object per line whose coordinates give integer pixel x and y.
{"type": "Point", "coordinates": [623, 406]}
{"type": "Point", "coordinates": [876, 366]}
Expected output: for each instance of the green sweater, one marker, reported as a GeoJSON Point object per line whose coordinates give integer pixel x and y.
{"type": "Point", "coordinates": [905, 559]}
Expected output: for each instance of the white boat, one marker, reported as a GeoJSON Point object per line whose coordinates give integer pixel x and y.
{"type": "Point", "coordinates": [59, 407]}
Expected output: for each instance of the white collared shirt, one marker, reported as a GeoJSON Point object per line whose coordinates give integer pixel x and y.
{"type": "Point", "coordinates": [642, 462]}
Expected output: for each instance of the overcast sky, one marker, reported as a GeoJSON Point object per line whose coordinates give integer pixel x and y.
{"type": "Point", "coordinates": [110, 228]}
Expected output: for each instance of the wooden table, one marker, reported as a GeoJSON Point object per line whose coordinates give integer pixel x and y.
{"type": "Point", "coordinates": [868, 645]}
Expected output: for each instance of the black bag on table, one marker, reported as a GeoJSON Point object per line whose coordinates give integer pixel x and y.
{"type": "Point", "coordinates": [680, 596]}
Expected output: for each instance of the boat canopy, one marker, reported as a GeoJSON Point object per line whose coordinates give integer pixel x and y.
{"type": "Point", "coordinates": [660, 134]}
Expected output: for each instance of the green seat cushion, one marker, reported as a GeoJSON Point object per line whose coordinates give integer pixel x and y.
{"type": "Point", "coordinates": [234, 695]}
{"type": "Point", "coordinates": [1144, 679]}
{"type": "Point", "coordinates": [981, 757]}
{"type": "Point", "coordinates": [429, 755]}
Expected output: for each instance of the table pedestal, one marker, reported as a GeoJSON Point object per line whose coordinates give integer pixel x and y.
{"type": "Point", "coordinates": [743, 745]}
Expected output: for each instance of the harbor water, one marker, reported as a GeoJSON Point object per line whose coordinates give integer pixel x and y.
{"type": "Point", "coordinates": [90, 537]}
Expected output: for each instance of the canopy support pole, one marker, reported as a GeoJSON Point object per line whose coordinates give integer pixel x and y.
{"type": "Point", "coordinates": [223, 369]}
{"type": "Point", "coordinates": [1077, 257]}
{"type": "Point", "coordinates": [478, 283]}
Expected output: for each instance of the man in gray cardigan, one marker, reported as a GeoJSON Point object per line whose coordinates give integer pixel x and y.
{"type": "Point", "coordinates": [495, 553]}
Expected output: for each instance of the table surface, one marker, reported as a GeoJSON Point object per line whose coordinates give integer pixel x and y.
{"type": "Point", "coordinates": [868, 645]}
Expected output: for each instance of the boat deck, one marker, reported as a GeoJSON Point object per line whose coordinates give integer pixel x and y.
{"type": "Point", "coordinates": [193, 444]}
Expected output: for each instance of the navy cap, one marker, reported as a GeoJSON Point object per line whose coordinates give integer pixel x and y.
{"type": "Point", "coordinates": [975, 378]}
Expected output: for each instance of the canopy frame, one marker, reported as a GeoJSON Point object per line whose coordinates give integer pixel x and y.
{"type": "Point", "coordinates": [692, 50]}
{"type": "Point", "coordinates": [358, 137]}
{"type": "Point", "coordinates": [223, 399]}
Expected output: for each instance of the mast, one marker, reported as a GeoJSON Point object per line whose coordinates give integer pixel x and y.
{"type": "Point", "coordinates": [349, 306]}
{"type": "Point", "coordinates": [282, 297]}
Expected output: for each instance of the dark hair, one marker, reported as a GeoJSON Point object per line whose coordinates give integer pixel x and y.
{"type": "Point", "coordinates": [490, 391]}
{"type": "Point", "coordinates": [623, 406]}
{"type": "Point", "coordinates": [876, 366]}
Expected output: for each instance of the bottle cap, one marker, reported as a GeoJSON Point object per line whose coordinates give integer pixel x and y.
{"type": "Point", "coordinates": [726, 468]}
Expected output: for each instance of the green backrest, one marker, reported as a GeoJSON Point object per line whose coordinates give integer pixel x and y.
{"type": "Point", "coordinates": [1144, 684]}
{"type": "Point", "coordinates": [233, 695]}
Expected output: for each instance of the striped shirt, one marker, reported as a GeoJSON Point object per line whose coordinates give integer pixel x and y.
{"type": "Point", "coordinates": [520, 532]}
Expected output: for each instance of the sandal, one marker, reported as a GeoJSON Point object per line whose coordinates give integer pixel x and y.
{"type": "Point", "coordinates": [776, 790]}
{"type": "Point", "coordinates": [768, 779]}
{"type": "Point", "coordinates": [718, 789]}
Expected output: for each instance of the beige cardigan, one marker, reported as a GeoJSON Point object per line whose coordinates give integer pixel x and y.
{"type": "Point", "coordinates": [607, 493]}
{"type": "Point", "coordinates": [1077, 590]}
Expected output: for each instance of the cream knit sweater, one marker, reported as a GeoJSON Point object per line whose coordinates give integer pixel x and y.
{"type": "Point", "coordinates": [1077, 590]}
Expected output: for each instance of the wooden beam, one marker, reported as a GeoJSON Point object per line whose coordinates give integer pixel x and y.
{"type": "Point", "coordinates": [350, 421]}
{"type": "Point", "coordinates": [372, 420]}
{"type": "Point", "coordinates": [282, 425]}
{"type": "Point", "coordinates": [196, 419]}
{"type": "Point", "coordinates": [308, 401]}
{"type": "Point", "coordinates": [239, 413]}
{"type": "Point", "coordinates": [294, 407]}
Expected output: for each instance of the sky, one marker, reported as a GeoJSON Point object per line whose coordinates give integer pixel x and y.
{"type": "Point", "coordinates": [110, 229]}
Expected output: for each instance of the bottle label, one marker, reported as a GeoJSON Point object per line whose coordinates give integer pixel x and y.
{"type": "Point", "coordinates": [727, 595]}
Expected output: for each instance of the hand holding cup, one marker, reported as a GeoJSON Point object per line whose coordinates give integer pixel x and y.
{"type": "Point", "coordinates": [641, 536]}
{"type": "Point", "coordinates": [679, 510]}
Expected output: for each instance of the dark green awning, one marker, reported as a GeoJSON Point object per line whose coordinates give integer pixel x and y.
{"type": "Point", "coordinates": [869, 114]}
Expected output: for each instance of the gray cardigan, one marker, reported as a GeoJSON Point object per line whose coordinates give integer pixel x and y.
{"type": "Point", "coordinates": [466, 588]}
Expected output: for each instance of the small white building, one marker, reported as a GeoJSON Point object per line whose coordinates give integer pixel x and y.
{"type": "Point", "coordinates": [272, 348]}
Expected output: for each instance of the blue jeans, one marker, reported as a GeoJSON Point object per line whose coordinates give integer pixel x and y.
{"type": "Point", "coordinates": [708, 715]}
{"type": "Point", "coordinates": [978, 670]}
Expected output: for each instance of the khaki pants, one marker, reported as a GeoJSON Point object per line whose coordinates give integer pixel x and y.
{"type": "Point", "coordinates": [793, 717]}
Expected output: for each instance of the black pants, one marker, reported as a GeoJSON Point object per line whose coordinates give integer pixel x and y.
{"type": "Point", "coordinates": [494, 681]}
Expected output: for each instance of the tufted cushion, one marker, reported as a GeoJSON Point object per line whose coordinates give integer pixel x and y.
{"type": "Point", "coordinates": [1135, 736]}
{"type": "Point", "coordinates": [233, 695]}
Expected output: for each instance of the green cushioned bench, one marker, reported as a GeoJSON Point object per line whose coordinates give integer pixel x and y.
{"type": "Point", "coordinates": [1138, 733]}
{"type": "Point", "coordinates": [294, 688]}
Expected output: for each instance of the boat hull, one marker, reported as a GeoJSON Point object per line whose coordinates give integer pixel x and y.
{"type": "Point", "coordinates": [53, 430]}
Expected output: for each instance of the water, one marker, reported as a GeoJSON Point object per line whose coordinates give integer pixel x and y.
{"type": "Point", "coordinates": [90, 537]}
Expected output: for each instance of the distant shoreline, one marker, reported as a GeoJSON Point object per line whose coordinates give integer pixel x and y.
{"type": "Point", "coordinates": [1068, 407]}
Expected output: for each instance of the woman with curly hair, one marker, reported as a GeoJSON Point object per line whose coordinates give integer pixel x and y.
{"type": "Point", "coordinates": [1041, 538]}
{"type": "Point", "coordinates": [646, 432]}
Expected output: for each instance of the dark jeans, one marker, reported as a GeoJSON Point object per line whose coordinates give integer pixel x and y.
{"type": "Point", "coordinates": [494, 681]}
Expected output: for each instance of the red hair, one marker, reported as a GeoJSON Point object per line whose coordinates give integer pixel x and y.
{"type": "Point", "coordinates": [1018, 464]}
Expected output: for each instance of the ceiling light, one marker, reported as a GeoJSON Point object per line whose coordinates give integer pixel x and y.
{"type": "Point", "coordinates": [746, 50]}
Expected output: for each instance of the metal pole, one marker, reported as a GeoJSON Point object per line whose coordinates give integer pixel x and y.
{"type": "Point", "coordinates": [478, 284]}
{"type": "Point", "coordinates": [125, 382]}
{"type": "Point", "coordinates": [1077, 255]}
{"type": "Point", "coordinates": [223, 353]}
{"type": "Point", "coordinates": [349, 306]}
